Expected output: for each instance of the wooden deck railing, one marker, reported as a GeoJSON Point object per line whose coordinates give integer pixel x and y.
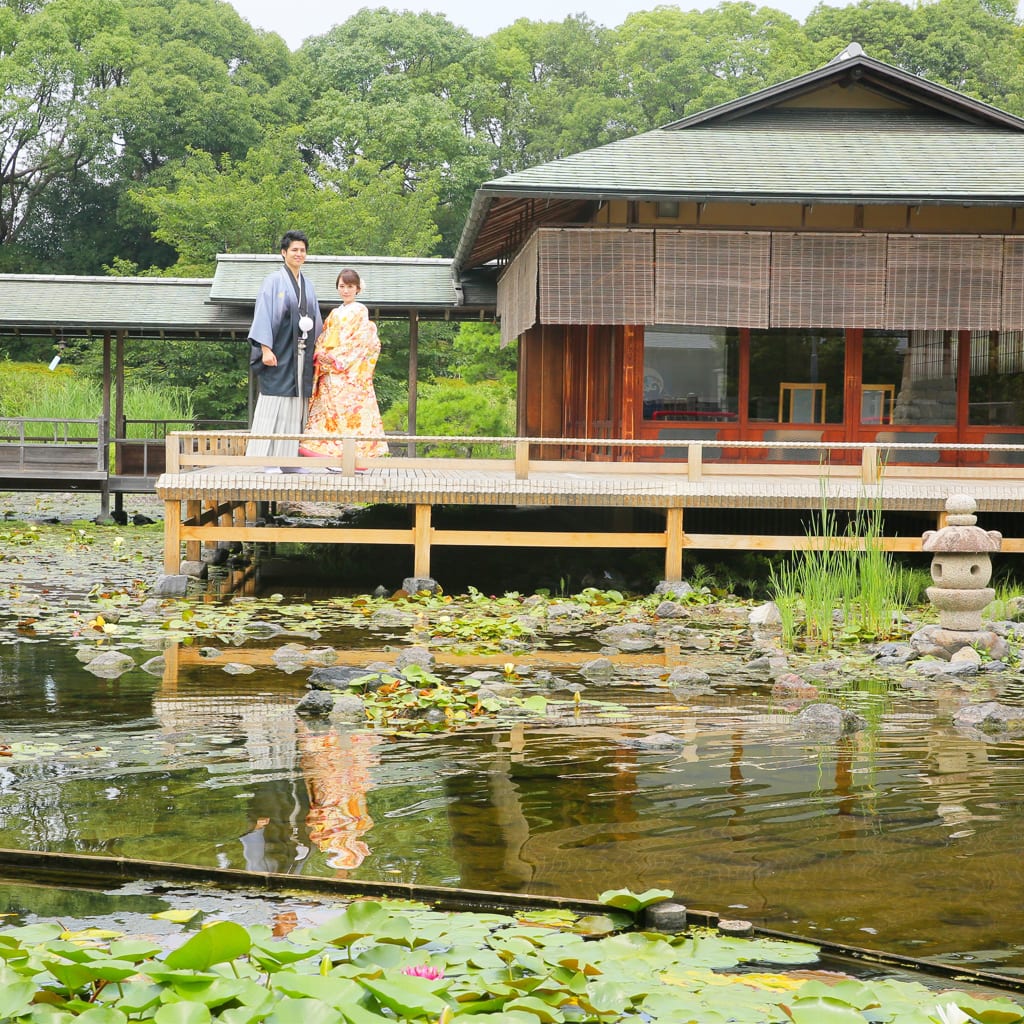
{"type": "Point", "coordinates": [53, 450]}
{"type": "Point", "coordinates": [140, 447]}
{"type": "Point", "coordinates": [871, 461]}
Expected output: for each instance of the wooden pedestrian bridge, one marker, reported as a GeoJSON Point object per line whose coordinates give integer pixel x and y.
{"type": "Point", "coordinates": [213, 492]}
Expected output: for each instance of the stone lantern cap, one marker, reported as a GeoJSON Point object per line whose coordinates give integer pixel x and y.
{"type": "Point", "coordinates": [960, 534]}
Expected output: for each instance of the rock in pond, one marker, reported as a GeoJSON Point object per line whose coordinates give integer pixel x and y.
{"type": "Point", "coordinates": [316, 704]}
{"type": "Point", "coordinates": [990, 717]}
{"type": "Point", "coordinates": [336, 677]}
{"type": "Point", "coordinates": [829, 720]}
{"type": "Point", "coordinates": [110, 664]}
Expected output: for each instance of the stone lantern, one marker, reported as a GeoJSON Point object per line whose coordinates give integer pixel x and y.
{"type": "Point", "coordinates": [961, 566]}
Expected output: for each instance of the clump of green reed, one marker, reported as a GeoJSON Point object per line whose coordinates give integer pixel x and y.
{"type": "Point", "coordinates": [32, 390]}
{"type": "Point", "coordinates": [843, 585]}
{"type": "Point", "coordinates": [144, 402]}
{"type": "Point", "coordinates": [810, 588]}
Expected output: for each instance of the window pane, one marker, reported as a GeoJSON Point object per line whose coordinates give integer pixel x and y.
{"type": "Point", "coordinates": [796, 376]}
{"type": "Point", "coordinates": [882, 375]}
{"type": "Point", "coordinates": [690, 373]}
{"type": "Point", "coordinates": [997, 378]}
{"type": "Point", "coordinates": [927, 386]}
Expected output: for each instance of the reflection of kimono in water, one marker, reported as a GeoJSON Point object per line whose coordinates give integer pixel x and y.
{"type": "Point", "coordinates": [337, 771]}
{"type": "Point", "coordinates": [281, 301]}
{"type": "Point", "coordinates": [344, 402]}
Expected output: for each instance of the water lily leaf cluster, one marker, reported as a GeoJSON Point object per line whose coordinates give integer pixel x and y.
{"type": "Point", "coordinates": [415, 699]}
{"type": "Point", "coordinates": [14, 536]}
{"type": "Point", "coordinates": [382, 962]}
{"type": "Point", "coordinates": [413, 693]}
{"type": "Point", "coordinates": [471, 624]}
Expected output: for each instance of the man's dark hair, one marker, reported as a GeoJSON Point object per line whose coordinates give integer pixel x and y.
{"type": "Point", "coordinates": [293, 236]}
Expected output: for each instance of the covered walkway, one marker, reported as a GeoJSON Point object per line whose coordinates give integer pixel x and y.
{"type": "Point", "coordinates": [101, 457]}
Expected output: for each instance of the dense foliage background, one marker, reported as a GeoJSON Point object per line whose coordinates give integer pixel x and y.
{"type": "Point", "coordinates": [146, 136]}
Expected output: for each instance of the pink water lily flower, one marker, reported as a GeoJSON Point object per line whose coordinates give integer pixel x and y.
{"type": "Point", "coordinates": [424, 971]}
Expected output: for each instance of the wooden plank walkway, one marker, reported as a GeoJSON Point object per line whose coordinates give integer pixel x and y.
{"type": "Point", "coordinates": [213, 493]}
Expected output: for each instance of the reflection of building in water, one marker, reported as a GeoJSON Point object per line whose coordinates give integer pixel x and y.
{"type": "Point", "coordinates": [264, 724]}
{"type": "Point", "coordinates": [337, 771]}
{"type": "Point", "coordinates": [259, 757]}
{"type": "Point", "coordinates": [531, 821]}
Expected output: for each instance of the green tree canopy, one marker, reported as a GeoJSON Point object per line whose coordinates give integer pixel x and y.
{"type": "Point", "coordinates": [55, 60]}
{"type": "Point", "coordinates": [402, 90]}
{"type": "Point", "coordinates": [99, 94]}
{"type": "Point", "coordinates": [677, 63]}
{"type": "Point", "coordinates": [201, 209]}
{"type": "Point", "coordinates": [560, 90]}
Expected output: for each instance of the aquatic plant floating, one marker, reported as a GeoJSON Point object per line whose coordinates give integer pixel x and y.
{"type": "Point", "coordinates": [380, 962]}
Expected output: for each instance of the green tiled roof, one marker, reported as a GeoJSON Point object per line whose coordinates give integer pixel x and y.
{"type": "Point", "coordinates": [150, 306]}
{"type": "Point", "coordinates": [793, 154]}
{"type": "Point", "coordinates": [389, 283]}
{"type": "Point", "coordinates": [221, 306]}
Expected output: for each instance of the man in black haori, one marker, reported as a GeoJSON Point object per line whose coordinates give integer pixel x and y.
{"type": "Point", "coordinates": [285, 326]}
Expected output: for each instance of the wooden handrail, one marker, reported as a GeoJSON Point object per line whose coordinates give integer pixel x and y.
{"type": "Point", "coordinates": [620, 442]}
{"type": "Point", "coordinates": [58, 450]}
{"type": "Point", "coordinates": [197, 448]}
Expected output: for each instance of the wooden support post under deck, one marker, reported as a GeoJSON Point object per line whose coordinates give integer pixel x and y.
{"type": "Point", "coordinates": [215, 510]}
{"type": "Point", "coordinates": [674, 545]}
{"type": "Point", "coordinates": [421, 542]}
{"type": "Point", "coordinates": [194, 514]}
{"type": "Point", "coordinates": [172, 537]}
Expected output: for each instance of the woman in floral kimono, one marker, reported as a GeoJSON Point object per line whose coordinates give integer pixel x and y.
{"type": "Point", "coordinates": [343, 400]}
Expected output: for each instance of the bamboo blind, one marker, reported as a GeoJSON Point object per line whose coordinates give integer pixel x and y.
{"type": "Point", "coordinates": [1013, 284]}
{"type": "Point", "coordinates": [517, 293]}
{"type": "Point", "coordinates": [762, 279]}
{"type": "Point", "coordinates": [943, 282]}
{"type": "Point", "coordinates": [596, 275]}
{"type": "Point", "coordinates": [827, 280]}
{"type": "Point", "coordinates": [712, 278]}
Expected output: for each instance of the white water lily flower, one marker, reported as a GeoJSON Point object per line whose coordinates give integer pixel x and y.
{"type": "Point", "coordinates": [952, 1014]}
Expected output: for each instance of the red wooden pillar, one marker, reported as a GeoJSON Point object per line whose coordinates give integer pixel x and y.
{"type": "Point", "coordinates": [853, 376]}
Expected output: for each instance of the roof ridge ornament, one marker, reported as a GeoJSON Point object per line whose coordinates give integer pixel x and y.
{"type": "Point", "coordinates": [851, 51]}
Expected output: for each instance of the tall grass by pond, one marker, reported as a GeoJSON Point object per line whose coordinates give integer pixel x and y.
{"type": "Point", "coordinates": [34, 391]}
{"type": "Point", "coordinates": [849, 587]}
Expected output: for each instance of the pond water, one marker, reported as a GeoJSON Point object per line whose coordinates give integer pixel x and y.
{"type": "Point", "coordinates": [903, 837]}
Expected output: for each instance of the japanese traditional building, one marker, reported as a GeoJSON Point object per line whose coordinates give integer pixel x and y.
{"type": "Point", "coordinates": [836, 258]}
